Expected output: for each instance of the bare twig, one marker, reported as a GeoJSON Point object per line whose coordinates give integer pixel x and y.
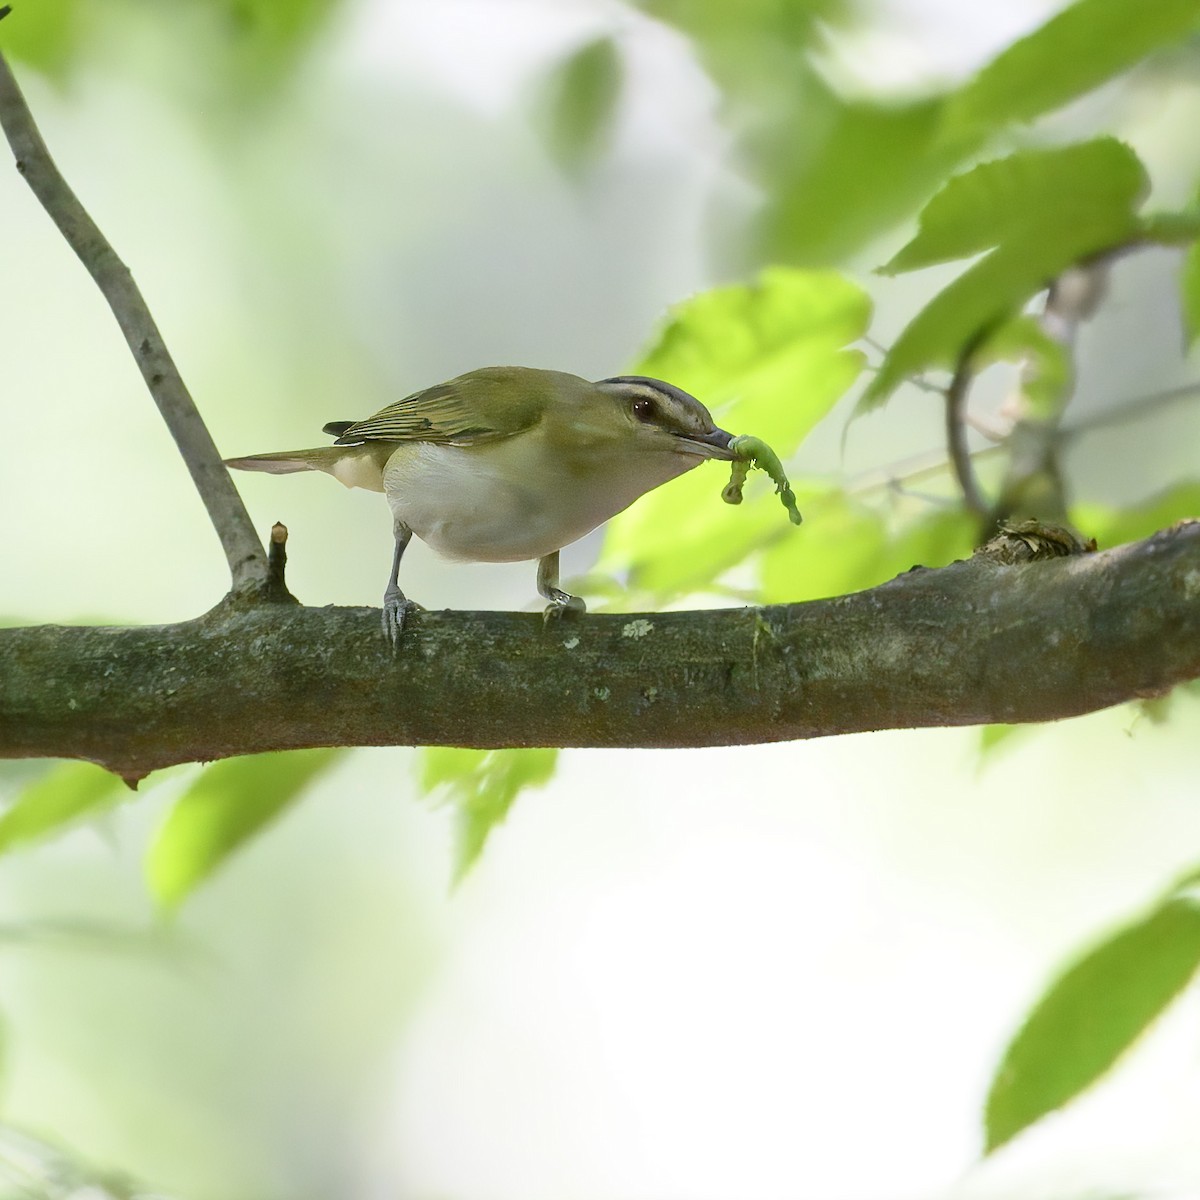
{"type": "Point", "coordinates": [277, 588]}
{"type": "Point", "coordinates": [956, 427]}
{"type": "Point", "coordinates": [1131, 410]}
{"type": "Point", "coordinates": [243, 550]}
{"type": "Point", "coordinates": [1033, 481]}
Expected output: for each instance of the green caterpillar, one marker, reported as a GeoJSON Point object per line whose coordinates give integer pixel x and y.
{"type": "Point", "coordinates": [750, 452]}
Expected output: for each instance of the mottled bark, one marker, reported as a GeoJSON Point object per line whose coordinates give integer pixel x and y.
{"type": "Point", "coordinates": [977, 641]}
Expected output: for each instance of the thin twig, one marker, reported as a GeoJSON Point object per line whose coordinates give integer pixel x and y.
{"type": "Point", "coordinates": [1129, 410]}
{"type": "Point", "coordinates": [956, 427]}
{"type": "Point", "coordinates": [243, 550]}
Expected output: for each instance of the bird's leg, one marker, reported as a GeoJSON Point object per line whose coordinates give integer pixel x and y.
{"type": "Point", "coordinates": [561, 602]}
{"type": "Point", "coordinates": [395, 603]}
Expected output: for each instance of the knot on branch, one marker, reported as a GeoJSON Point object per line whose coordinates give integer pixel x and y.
{"type": "Point", "coordinates": [1032, 541]}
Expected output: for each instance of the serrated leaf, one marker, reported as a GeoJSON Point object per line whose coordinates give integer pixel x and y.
{"type": "Point", "coordinates": [482, 785]}
{"type": "Point", "coordinates": [1090, 1015]}
{"type": "Point", "coordinates": [69, 793]}
{"type": "Point", "coordinates": [770, 359]}
{"type": "Point", "coordinates": [580, 101]}
{"type": "Point", "coordinates": [1075, 51]}
{"type": "Point", "coordinates": [1091, 215]}
{"type": "Point", "coordinates": [1025, 198]}
{"type": "Point", "coordinates": [228, 803]}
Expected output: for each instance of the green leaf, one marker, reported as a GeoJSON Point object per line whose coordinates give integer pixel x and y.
{"type": "Point", "coordinates": [1025, 199]}
{"type": "Point", "coordinates": [45, 34]}
{"type": "Point", "coordinates": [1116, 526]}
{"type": "Point", "coordinates": [1046, 366]}
{"type": "Point", "coordinates": [482, 785]}
{"type": "Point", "coordinates": [1075, 51]}
{"type": "Point", "coordinates": [770, 359]}
{"type": "Point", "coordinates": [847, 546]}
{"type": "Point", "coordinates": [839, 173]}
{"type": "Point", "coordinates": [1090, 1015]}
{"type": "Point", "coordinates": [993, 736]}
{"type": "Point", "coordinates": [68, 794]}
{"type": "Point", "coordinates": [579, 103]}
{"type": "Point", "coordinates": [227, 804]}
{"type": "Point", "coordinates": [1093, 211]}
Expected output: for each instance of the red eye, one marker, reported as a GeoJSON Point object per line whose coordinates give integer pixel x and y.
{"type": "Point", "coordinates": [644, 410]}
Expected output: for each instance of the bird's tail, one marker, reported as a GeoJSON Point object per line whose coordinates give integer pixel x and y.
{"type": "Point", "coordinates": [285, 462]}
{"type": "Point", "coordinates": [355, 466]}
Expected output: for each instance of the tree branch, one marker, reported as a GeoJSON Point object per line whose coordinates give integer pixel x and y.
{"type": "Point", "coordinates": [969, 643]}
{"type": "Point", "coordinates": [243, 550]}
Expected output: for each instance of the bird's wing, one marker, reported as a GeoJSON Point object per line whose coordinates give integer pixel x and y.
{"type": "Point", "coordinates": [455, 413]}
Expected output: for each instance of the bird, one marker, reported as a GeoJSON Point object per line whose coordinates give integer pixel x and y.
{"type": "Point", "coordinates": [511, 464]}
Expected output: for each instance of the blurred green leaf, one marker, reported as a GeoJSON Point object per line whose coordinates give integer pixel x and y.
{"type": "Point", "coordinates": [993, 736]}
{"type": "Point", "coordinates": [1075, 51]}
{"type": "Point", "coordinates": [44, 34]}
{"type": "Point", "coordinates": [848, 546]}
{"type": "Point", "coordinates": [770, 358]}
{"type": "Point", "coordinates": [482, 785]}
{"type": "Point", "coordinates": [1115, 526]}
{"type": "Point", "coordinates": [1025, 198]}
{"type": "Point", "coordinates": [264, 40]}
{"type": "Point", "coordinates": [1046, 366]}
{"type": "Point", "coordinates": [228, 803]}
{"type": "Point", "coordinates": [1091, 1014]}
{"type": "Point", "coordinates": [841, 172]}
{"type": "Point", "coordinates": [580, 102]}
{"type": "Point", "coordinates": [1093, 210]}
{"type": "Point", "coordinates": [67, 794]}
{"type": "Point", "coordinates": [723, 28]}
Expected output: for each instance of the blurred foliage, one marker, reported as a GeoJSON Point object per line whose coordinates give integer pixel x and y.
{"type": "Point", "coordinates": [481, 785]}
{"type": "Point", "coordinates": [1092, 1013]}
{"type": "Point", "coordinates": [1075, 51]}
{"type": "Point", "coordinates": [227, 804]}
{"type": "Point", "coordinates": [1114, 527]}
{"type": "Point", "coordinates": [251, 47]}
{"type": "Point", "coordinates": [838, 170]}
{"type": "Point", "coordinates": [851, 545]}
{"type": "Point", "coordinates": [1036, 212]}
{"type": "Point", "coordinates": [771, 359]}
{"type": "Point", "coordinates": [579, 102]}
{"type": "Point", "coordinates": [45, 34]}
{"type": "Point", "coordinates": [33, 1169]}
{"type": "Point", "coordinates": [835, 171]}
{"type": "Point", "coordinates": [64, 796]}
{"type": "Point", "coordinates": [1046, 375]}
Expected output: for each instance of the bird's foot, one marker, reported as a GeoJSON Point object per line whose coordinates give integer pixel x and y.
{"type": "Point", "coordinates": [563, 604]}
{"type": "Point", "coordinates": [396, 607]}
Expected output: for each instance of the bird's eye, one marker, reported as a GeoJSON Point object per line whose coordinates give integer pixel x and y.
{"type": "Point", "coordinates": [644, 410]}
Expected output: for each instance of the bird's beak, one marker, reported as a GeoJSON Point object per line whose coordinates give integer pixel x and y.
{"type": "Point", "coordinates": [707, 445]}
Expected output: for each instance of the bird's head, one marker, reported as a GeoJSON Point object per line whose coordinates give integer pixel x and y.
{"type": "Point", "coordinates": [657, 416]}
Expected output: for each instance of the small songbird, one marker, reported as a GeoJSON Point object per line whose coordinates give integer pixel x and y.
{"type": "Point", "coordinates": [506, 464]}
